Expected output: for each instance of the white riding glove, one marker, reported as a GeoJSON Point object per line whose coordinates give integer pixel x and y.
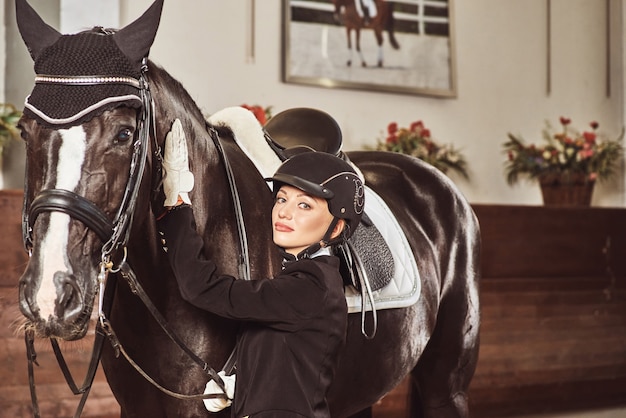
{"type": "Point", "coordinates": [177, 179]}
{"type": "Point", "coordinates": [217, 404]}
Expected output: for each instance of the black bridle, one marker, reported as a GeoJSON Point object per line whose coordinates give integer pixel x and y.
{"type": "Point", "coordinates": [115, 236]}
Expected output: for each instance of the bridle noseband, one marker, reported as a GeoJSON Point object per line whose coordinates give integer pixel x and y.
{"type": "Point", "coordinates": [59, 200]}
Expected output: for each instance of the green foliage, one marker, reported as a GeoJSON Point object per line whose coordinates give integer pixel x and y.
{"type": "Point", "coordinates": [9, 116]}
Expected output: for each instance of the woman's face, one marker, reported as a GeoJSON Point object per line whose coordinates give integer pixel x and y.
{"type": "Point", "coordinates": [299, 219]}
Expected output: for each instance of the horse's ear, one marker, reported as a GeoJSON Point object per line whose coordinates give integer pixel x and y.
{"type": "Point", "coordinates": [36, 33]}
{"type": "Point", "coordinates": [136, 38]}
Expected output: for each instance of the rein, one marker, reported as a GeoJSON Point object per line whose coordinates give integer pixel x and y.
{"type": "Point", "coordinates": [115, 236]}
{"type": "Point", "coordinates": [129, 275]}
{"type": "Point", "coordinates": [85, 388]}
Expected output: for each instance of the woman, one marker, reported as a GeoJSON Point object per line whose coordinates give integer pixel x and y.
{"type": "Point", "coordinates": [295, 323]}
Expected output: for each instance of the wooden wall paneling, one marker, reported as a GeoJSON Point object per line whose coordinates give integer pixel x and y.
{"type": "Point", "coordinates": [559, 349]}
{"type": "Point", "coordinates": [13, 257]}
{"type": "Point", "coordinates": [553, 304]}
{"type": "Point", "coordinates": [536, 241]}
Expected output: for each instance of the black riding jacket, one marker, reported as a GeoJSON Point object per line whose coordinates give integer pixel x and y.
{"type": "Point", "coordinates": [295, 323]}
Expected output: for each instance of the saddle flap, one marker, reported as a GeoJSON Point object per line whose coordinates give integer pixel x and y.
{"type": "Point", "coordinates": [366, 257]}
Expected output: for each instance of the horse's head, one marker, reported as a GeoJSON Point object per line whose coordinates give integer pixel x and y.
{"type": "Point", "coordinates": [86, 126]}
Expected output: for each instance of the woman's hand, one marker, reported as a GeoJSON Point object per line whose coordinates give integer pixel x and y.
{"type": "Point", "coordinates": [217, 404]}
{"type": "Point", "coordinates": [177, 179]}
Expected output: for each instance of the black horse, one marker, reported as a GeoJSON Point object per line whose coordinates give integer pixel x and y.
{"type": "Point", "coordinates": [89, 183]}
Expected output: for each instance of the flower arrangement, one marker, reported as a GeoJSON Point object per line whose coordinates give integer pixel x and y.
{"type": "Point", "coordinates": [262, 114]}
{"type": "Point", "coordinates": [416, 141]}
{"type": "Point", "coordinates": [9, 116]}
{"type": "Point", "coordinates": [568, 157]}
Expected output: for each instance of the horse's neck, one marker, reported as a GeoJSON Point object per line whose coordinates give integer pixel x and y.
{"type": "Point", "coordinates": [218, 221]}
{"type": "Point", "coordinates": [172, 101]}
{"type": "Point", "coordinates": [212, 200]}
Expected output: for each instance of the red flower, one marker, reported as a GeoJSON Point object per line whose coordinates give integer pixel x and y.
{"type": "Point", "coordinates": [419, 124]}
{"type": "Point", "coordinates": [258, 111]}
{"type": "Point", "coordinates": [594, 125]}
{"type": "Point", "coordinates": [415, 141]}
{"type": "Point", "coordinates": [565, 121]}
{"type": "Point", "coordinates": [590, 137]}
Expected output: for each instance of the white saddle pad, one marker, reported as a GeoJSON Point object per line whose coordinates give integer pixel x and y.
{"type": "Point", "coordinates": [405, 286]}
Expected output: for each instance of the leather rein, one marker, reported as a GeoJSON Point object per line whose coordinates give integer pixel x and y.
{"type": "Point", "coordinates": [115, 236]}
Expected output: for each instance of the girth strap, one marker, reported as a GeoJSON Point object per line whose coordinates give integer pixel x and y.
{"type": "Point", "coordinates": [244, 257]}
{"type": "Point", "coordinates": [244, 260]}
{"type": "Point", "coordinates": [356, 268]}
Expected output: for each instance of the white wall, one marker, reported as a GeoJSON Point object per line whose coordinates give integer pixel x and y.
{"type": "Point", "coordinates": [501, 53]}
{"type": "Point", "coordinates": [79, 15]}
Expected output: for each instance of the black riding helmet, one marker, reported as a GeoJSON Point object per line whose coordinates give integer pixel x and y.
{"type": "Point", "coordinates": [324, 175]}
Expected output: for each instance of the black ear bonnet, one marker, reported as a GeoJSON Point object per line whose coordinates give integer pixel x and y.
{"type": "Point", "coordinates": [79, 76]}
{"type": "Point", "coordinates": [83, 58]}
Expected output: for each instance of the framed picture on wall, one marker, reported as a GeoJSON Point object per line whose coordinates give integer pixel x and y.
{"type": "Point", "coordinates": [401, 46]}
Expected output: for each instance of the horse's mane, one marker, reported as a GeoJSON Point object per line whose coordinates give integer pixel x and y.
{"type": "Point", "coordinates": [161, 81]}
{"type": "Point", "coordinates": [164, 82]}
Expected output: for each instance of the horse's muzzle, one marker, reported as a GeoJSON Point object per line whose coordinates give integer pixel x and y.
{"type": "Point", "coordinates": [70, 317]}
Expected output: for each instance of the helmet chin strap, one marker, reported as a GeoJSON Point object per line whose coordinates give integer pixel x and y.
{"type": "Point", "coordinates": [324, 242]}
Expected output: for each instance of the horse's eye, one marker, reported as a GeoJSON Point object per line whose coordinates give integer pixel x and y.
{"type": "Point", "coordinates": [125, 134]}
{"type": "Point", "coordinates": [23, 133]}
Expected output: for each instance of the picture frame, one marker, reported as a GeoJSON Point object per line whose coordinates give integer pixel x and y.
{"type": "Point", "coordinates": [315, 46]}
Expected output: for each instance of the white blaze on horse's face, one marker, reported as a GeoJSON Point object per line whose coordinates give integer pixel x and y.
{"type": "Point", "coordinates": [54, 246]}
